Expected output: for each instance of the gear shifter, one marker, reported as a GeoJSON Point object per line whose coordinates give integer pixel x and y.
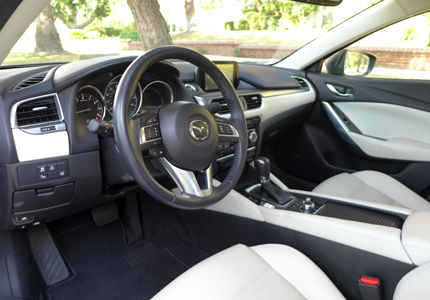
{"type": "Point", "coordinates": [262, 164]}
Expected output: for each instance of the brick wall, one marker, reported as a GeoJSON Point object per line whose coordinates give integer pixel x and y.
{"type": "Point", "coordinates": [388, 57]}
{"type": "Point", "coordinates": [417, 59]}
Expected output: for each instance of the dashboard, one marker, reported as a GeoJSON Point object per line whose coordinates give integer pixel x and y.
{"type": "Point", "coordinates": [52, 165]}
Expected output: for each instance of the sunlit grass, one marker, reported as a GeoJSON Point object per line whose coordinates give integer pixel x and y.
{"type": "Point", "coordinates": [245, 37]}
{"type": "Point", "coordinates": [25, 58]}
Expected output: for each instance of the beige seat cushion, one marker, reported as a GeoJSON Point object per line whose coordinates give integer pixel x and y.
{"type": "Point", "coordinates": [372, 186]}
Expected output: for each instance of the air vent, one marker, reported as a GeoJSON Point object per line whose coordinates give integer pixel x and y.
{"type": "Point", "coordinates": [253, 101]}
{"type": "Point", "coordinates": [33, 80]}
{"type": "Point", "coordinates": [37, 111]}
{"type": "Point", "coordinates": [302, 82]}
{"type": "Point", "coordinates": [224, 105]}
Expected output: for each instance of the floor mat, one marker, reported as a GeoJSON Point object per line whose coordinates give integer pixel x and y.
{"type": "Point", "coordinates": [106, 268]}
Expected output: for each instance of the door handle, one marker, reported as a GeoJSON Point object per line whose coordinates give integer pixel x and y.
{"type": "Point", "coordinates": [332, 88]}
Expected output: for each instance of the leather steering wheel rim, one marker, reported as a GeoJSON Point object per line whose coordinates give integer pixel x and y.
{"type": "Point", "coordinates": [126, 129]}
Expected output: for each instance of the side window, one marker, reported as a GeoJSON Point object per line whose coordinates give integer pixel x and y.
{"type": "Point", "coordinates": [402, 50]}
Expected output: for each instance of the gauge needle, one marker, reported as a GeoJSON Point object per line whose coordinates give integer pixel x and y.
{"type": "Point", "coordinates": [81, 111]}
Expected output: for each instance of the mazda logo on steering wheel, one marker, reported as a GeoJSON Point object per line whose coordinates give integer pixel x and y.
{"type": "Point", "coordinates": [199, 130]}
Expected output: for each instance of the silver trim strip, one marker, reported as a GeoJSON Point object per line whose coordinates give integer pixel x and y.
{"type": "Point", "coordinates": [143, 139]}
{"type": "Point", "coordinates": [337, 122]}
{"type": "Point", "coordinates": [235, 133]}
{"type": "Point", "coordinates": [39, 129]}
{"type": "Point", "coordinates": [334, 91]}
{"type": "Point", "coordinates": [32, 128]}
{"type": "Point", "coordinates": [162, 83]}
{"type": "Point", "coordinates": [231, 155]}
{"type": "Point", "coordinates": [187, 181]}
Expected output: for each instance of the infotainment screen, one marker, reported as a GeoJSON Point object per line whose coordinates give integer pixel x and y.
{"type": "Point", "coordinates": [229, 68]}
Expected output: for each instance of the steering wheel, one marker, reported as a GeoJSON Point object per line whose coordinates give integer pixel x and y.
{"type": "Point", "coordinates": [182, 136]}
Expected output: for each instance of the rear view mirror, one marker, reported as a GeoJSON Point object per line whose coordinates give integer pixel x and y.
{"type": "Point", "coordinates": [321, 2]}
{"type": "Point", "coordinates": [351, 63]}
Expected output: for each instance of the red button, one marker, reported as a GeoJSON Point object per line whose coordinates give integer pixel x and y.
{"type": "Point", "coordinates": [369, 280]}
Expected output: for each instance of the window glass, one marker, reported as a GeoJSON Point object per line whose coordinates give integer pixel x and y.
{"type": "Point", "coordinates": [402, 49]}
{"type": "Point", "coordinates": [244, 30]}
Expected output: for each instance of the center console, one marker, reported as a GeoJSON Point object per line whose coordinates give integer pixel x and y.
{"type": "Point", "coordinates": [269, 195]}
{"type": "Point", "coordinates": [226, 154]}
{"type": "Point", "coordinates": [385, 230]}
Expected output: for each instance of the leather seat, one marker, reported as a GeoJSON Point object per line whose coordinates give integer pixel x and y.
{"type": "Point", "coordinates": [262, 272]}
{"type": "Point", "coordinates": [372, 186]}
{"type": "Point", "coordinates": [271, 271]}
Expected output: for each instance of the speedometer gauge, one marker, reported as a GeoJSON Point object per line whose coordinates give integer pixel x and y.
{"type": "Point", "coordinates": [135, 102]}
{"type": "Point", "coordinates": [89, 105]}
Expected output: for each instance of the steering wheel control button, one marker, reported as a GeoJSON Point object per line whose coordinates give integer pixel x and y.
{"type": "Point", "coordinates": [152, 120]}
{"type": "Point", "coordinates": [156, 152]}
{"type": "Point", "coordinates": [199, 130]}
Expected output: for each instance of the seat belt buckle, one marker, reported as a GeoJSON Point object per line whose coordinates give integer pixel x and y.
{"type": "Point", "coordinates": [370, 288]}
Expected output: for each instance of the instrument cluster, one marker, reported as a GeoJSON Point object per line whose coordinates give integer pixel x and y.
{"type": "Point", "coordinates": [92, 103]}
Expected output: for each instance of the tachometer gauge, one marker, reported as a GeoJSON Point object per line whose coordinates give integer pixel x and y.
{"type": "Point", "coordinates": [135, 102]}
{"type": "Point", "coordinates": [89, 104]}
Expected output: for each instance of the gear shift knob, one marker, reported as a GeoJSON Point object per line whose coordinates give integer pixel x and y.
{"type": "Point", "coordinates": [262, 164]}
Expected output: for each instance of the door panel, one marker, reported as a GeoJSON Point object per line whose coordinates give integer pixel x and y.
{"type": "Point", "coordinates": [388, 130]}
{"type": "Point", "coordinates": [383, 130]}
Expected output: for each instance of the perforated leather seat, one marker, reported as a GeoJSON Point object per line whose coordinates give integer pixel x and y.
{"type": "Point", "coordinates": [372, 186]}
{"type": "Point", "coordinates": [271, 272]}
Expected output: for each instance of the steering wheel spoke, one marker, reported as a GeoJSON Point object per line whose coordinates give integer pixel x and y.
{"type": "Point", "coordinates": [182, 135]}
{"type": "Point", "coordinates": [150, 135]}
{"type": "Point", "coordinates": [226, 131]}
{"type": "Point", "coordinates": [196, 184]}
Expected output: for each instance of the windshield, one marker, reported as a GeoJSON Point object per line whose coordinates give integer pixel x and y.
{"type": "Point", "coordinates": [263, 31]}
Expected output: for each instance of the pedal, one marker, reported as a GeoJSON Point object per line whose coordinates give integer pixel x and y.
{"type": "Point", "coordinates": [47, 256]}
{"type": "Point", "coordinates": [132, 220]}
{"type": "Point", "coordinates": [105, 214]}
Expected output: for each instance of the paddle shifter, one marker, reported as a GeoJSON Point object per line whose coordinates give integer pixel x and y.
{"type": "Point", "coordinates": [262, 164]}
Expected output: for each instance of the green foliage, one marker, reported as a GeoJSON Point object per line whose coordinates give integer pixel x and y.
{"type": "Point", "coordinates": [111, 29]}
{"type": "Point", "coordinates": [77, 35]}
{"type": "Point", "coordinates": [78, 14]}
{"type": "Point", "coordinates": [237, 52]}
{"type": "Point", "coordinates": [242, 24]}
{"type": "Point", "coordinates": [281, 14]}
{"type": "Point", "coordinates": [133, 35]}
{"type": "Point", "coordinates": [201, 50]}
{"type": "Point", "coordinates": [410, 34]}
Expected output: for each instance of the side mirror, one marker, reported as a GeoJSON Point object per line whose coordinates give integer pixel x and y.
{"type": "Point", "coordinates": [351, 63]}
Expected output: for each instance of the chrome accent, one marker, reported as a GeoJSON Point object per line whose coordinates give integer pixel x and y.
{"type": "Point", "coordinates": [337, 122]}
{"type": "Point", "coordinates": [202, 101]}
{"type": "Point", "coordinates": [187, 181]}
{"type": "Point", "coordinates": [250, 189]}
{"type": "Point", "coordinates": [191, 88]}
{"type": "Point", "coordinates": [142, 138]}
{"type": "Point", "coordinates": [160, 82]}
{"type": "Point", "coordinates": [231, 155]}
{"type": "Point", "coordinates": [334, 91]}
{"type": "Point", "coordinates": [98, 92]}
{"type": "Point", "coordinates": [199, 133]}
{"type": "Point", "coordinates": [235, 133]}
{"type": "Point", "coordinates": [268, 205]}
{"type": "Point", "coordinates": [139, 93]}
{"type": "Point", "coordinates": [31, 128]}
{"type": "Point", "coordinates": [38, 130]}
{"type": "Point", "coordinates": [302, 78]}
